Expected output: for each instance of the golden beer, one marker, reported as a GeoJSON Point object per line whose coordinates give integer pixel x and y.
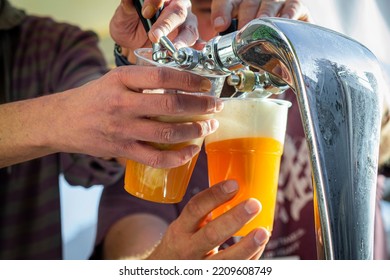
{"type": "Point", "coordinates": [158, 184]}
{"type": "Point", "coordinates": [164, 185]}
{"type": "Point", "coordinates": [247, 147]}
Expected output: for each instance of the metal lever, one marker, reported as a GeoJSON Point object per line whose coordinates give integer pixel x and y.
{"type": "Point", "coordinates": [147, 23]}
{"type": "Point", "coordinates": [256, 84]}
{"type": "Point", "coordinates": [159, 49]}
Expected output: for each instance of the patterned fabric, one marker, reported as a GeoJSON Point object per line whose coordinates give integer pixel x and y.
{"type": "Point", "coordinates": [9, 15]}
{"type": "Point", "coordinates": [49, 57]}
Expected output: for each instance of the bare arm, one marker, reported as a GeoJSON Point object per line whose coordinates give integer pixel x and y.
{"type": "Point", "coordinates": [134, 236]}
{"type": "Point", "coordinates": [109, 117]}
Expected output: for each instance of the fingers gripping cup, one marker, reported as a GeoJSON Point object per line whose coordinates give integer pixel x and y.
{"type": "Point", "coordinates": [158, 184]}
{"type": "Point", "coordinates": [247, 147]}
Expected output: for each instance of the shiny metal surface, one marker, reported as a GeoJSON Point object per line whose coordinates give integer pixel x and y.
{"type": "Point", "coordinates": [337, 84]}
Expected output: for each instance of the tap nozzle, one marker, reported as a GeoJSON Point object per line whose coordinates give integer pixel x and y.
{"type": "Point", "coordinates": [162, 49]}
{"type": "Point", "coordinates": [160, 54]}
{"type": "Point", "coordinates": [187, 58]}
{"type": "Point", "coordinates": [258, 84]}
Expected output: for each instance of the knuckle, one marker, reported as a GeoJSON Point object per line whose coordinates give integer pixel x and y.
{"type": "Point", "coordinates": [166, 134]}
{"type": "Point", "coordinates": [236, 218]}
{"type": "Point", "coordinates": [203, 128]}
{"type": "Point", "coordinates": [194, 208]}
{"type": "Point", "coordinates": [112, 131]}
{"type": "Point", "coordinates": [158, 75]}
{"type": "Point", "coordinates": [114, 103]}
{"type": "Point", "coordinates": [156, 160]}
{"type": "Point", "coordinates": [173, 103]}
{"type": "Point", "coordinates": [118, 74]}
{"type": "Point", "coordinates": [187, 80]}
{"type": "Point", "coordinates": [180, 11]}
{"type": "Point", "coordinates": [211, 235]}
{"type": "Point", "coordinates": [125, 149]}
{"type": "Point", "coordinates": [209, 104]}
{"type": "Point", "coordinates": [167, 25]}
{"type": "Point", "coordinates": [252, 3]}
{"type": "Point", "coordinates": [217, 195]}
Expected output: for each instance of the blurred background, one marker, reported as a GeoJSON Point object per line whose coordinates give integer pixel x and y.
{"type": "Point", "coordinates": [366, 21]}
{"type": "Point", "coordinates": [87, 14]}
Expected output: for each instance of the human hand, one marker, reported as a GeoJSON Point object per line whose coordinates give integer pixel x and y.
{"type": "Point", "coordinates": [222, 11]}
{"type": "Point", "coordinates": [193, 235]}
{"type": "Point", "coordinates": [111, 117]}
{"type": "Point", "coordinates": [175, 19]}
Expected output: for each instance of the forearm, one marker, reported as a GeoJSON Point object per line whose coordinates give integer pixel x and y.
{"type": "Point", "coordinates": [133, 237]}
{"type": "Point", "coordinates": [26, 129]}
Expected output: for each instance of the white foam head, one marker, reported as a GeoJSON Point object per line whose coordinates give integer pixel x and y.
{"type": "Point", "coordinates": [251, 117]}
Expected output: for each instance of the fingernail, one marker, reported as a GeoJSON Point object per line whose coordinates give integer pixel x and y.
{"type": "Point", "coordinates": [207, 127]}
{"type": "Point", "coordinates": [285, 16]}
{"type": "Point", "coordinates": [219, 22]}
{"type": "Point", "coordinates": [148, 11]}
{"type": "Point", "coordinates": [230, 186]}
{"type": "Point", "coordinates": [252, 206]}
{"type": "Point", "coordinates": [214, 124]}
{"type": "Point", "coordinates": [263, 16]}
{"type": "Point", "coordinates": [261, 236]}
{"type": "Point", "coordinates": [205, 85]}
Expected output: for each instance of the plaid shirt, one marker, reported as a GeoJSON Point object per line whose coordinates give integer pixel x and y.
{"type": "Point", "coordinates": [48, 57]}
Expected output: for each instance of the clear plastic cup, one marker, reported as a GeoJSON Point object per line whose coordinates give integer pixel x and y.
{"type": "Point", "coordinates": [247, 147]}
{"type": "Point", "coordinates": [165, 185]}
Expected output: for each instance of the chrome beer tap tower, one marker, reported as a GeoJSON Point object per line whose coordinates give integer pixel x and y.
{"type": "Point", "coordinates": [338, 85]}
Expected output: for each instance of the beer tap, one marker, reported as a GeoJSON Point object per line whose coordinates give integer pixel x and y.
{"type": "Point", "coordinates": [218, 57]}
{"type": "Point", "coordinates": [163, 50]}
{"type": "Point", "coordinates": [210, 59]}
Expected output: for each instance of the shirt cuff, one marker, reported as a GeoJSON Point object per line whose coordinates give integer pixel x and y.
{"type": "Point", "coordinates": [120, 60]}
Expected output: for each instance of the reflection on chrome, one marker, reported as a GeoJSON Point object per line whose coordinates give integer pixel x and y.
{"type": "Point", "coordinates": [337, 82]}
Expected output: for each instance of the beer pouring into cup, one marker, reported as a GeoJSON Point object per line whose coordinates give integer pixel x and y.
{"type": "Point", "coordinates": [338, 85]}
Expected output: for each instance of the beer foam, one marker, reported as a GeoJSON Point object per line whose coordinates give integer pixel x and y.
{"type": "Point", "coordinates": [251, 117]}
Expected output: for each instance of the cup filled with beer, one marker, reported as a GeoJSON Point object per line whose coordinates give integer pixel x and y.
{"type": "Point", "coordinates": [247, 147]}
{"type": "Point", "coordinates": [166, 185]}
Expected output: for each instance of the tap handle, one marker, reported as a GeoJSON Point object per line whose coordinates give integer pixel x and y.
{"type": "Point", "coordinates": [147, 23]}
{"type": "Point", "coordinates": [232, 27]}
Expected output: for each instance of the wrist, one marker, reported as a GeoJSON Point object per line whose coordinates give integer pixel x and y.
{"type": "Point", "coordinates": [23, 131]}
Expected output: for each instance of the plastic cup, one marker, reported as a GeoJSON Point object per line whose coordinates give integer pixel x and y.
{"type": "Point", "coordinates": [247, 147]}
{"type": "Point", "coordinates": [170, 184]}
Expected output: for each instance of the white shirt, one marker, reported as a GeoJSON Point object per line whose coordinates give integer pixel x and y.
{"type": "Point", "coordinates": [367, 21]}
